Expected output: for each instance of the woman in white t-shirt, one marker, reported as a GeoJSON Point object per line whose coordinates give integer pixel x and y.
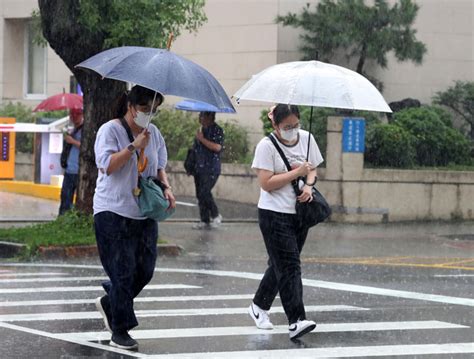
{"type": "Point", "coordinates": [283, 236]}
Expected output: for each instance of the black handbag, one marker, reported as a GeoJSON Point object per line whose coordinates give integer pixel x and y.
{"type": "Point", "coordinates": [190, 162]}
{"type": "Point", "coordinates": [311, 213]}
{"type": "Point", "coordinates": [67, 149]}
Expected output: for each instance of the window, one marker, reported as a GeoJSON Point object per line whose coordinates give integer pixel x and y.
{"type": "Point", "coordinates": [35, 66]}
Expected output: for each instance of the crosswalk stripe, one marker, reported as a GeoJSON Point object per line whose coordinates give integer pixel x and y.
{"type": "Point", "coordinates": [279, 329]}
{"type": "Point", "coordinates": [87, 288]}
{"type": "Point", "coordinates": [163, 313]}
{"type": "Point", "coordinates": [37, 274]}
{"type": "Point", "coordinates": [182, 298]}
{"type": "Point", "coordinates": [55, 279]}
{"type": "Point", "coordinates": [333, 352]}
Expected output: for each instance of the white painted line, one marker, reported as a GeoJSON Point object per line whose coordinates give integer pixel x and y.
{"type": "Point", "coordinates": [88, 288]}
{"type": "Point", "coordinates": [333, 352]}
{"type": "Point", "coordinates": [37, 274]}
{"type": "Point", "coordinates": [55, 279]}
{"type": "Point", "coordinates": [279, 329]}
{"type": "Point", "coordinates": [337, 286]}
{"type": "Point", "coordinates": [453, 275]}
{"type": "Point", "coordinates": [182, 298]}
{"type": "Point", "coordinates": [310, 283]}
{"type": "Point", "coordinates": [80, 342]}
{"type": "Point", "coordinates": [187, 204]}
{"type": "Point", "coordinates": [163, 313]}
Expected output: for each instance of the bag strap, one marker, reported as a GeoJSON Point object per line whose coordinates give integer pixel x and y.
{"type": "Point", "coordinates": [294, 183]}
{"type": "Point", "coordinates": [129, 131]}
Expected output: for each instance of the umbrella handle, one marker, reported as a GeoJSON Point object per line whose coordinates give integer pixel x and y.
{"type": "Point", "coordinates": [142, 161]}
{"type": "Point", "coordinates": [170, 39]}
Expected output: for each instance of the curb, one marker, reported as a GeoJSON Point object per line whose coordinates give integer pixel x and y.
{"type": "Point", "coordinates": [9, 249]}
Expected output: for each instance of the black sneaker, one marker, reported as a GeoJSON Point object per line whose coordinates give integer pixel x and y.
{"type": "Point", "coordinates": [103, 306]}
{"type": "Point", "coordinates": [123, 340]}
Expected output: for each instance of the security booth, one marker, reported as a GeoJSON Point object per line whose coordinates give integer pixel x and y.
{"type": "Point", "coordinates": [48, 148]}
{"type": "Point", "coordinates": [7, 148]}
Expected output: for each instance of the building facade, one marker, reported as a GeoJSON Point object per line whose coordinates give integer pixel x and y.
{"type": "Point", "coordinates": [240, 39]}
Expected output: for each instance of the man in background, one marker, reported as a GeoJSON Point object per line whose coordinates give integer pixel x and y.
{"type": "Point", "coordinates": [70, 161]}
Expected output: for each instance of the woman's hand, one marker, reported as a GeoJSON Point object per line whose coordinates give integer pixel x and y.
{"type": "Point", "coordinates": [304, 169]}
{"type": "Point", "coordinates": [141, 141]}
{"type": "Point", "coordinates": [170, 197]}
{"type": "Point", "coordinates": [306, 195]}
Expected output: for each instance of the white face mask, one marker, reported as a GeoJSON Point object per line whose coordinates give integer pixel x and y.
{"type": "Point", "coordinates": [142, 119]}
{"type": "Point", "coordinates": [289, 135]}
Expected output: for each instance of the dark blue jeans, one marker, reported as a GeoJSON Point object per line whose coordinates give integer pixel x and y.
{"type": "Point", "coordinates": [67, 192]}
{"type": "Point", "coordinates": [207, 206]}
{"type": "Point", "coordinates": [284, 240]}
{"type": "Point", "coordinates": [127, 250]}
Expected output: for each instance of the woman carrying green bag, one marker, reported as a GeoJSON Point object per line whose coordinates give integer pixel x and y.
{"type": "Point", "coordinates": [125, 238]}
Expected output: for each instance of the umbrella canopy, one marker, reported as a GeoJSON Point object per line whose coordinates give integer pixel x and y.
{"type": "Point", "coordinates": [159, 70]}
{"type": "Point", "coordinates": [197, 106]}
{"type": "Point", "coordinates": [313, 83]}
{"type": "Point", "coordinates": [62, 101]}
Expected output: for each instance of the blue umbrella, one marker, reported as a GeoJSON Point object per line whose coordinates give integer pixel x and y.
{"type": "Point", "coordinates": [159, 70]}
{"type": "Point", "coordinates": [198, 106]}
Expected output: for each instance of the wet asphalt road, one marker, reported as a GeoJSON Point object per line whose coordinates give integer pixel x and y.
{"type": "Point", "coordinates": [389, 291]}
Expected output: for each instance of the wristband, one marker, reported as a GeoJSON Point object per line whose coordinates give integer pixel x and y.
{"type": "Point", "coordinates": [312, 184]}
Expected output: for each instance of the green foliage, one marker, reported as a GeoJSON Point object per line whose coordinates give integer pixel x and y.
{"type": "Point", "coordinates": [358, 30]}
{"type": "Point", "coordinates": [460, 99]}
{"type": "Point", "coordinates": [179, 130]}
{"type": "Point", "coordinates": [236, 146]}
{"type": "Point", "coordinates": [436, 143]}
{"type": "Point", "coordinates": [22, 113]}
{"type": "Point", "coordinates": [73, 228]}
{"type": "Point", "coordinates": [140, 22]}
{"type": "Point", "coordinates": [389, 145]}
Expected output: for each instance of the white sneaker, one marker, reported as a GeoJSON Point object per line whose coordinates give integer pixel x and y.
{"type": "Point", "coordinates": [300, 328]}
{"type": "Point", "coordinates": [202, 225]}
{"type": "Point", "coordinates": [217, 220]}
{"type": "Point", "coordinates": [260, 317]}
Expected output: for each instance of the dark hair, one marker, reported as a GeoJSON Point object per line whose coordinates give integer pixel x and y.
{"type": "Point", "coordinates": [138, 95]}
{"type": "Point", "coordinates": [210, 114]}
{"type": "Point", "coordinates": [282, 111]}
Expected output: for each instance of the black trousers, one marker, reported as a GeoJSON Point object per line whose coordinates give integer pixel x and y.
{"type": "Point", "coordinates": [127, 250]}
{"type": "Point", "coordinates": [284, 240]}
{"type": "Point", "coordinates": [67, 192]}
{"type": "Point", "coordinates": [207, 206]}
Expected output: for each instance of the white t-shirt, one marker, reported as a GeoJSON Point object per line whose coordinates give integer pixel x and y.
{"type": "Point", "coordinates": [267, 158]}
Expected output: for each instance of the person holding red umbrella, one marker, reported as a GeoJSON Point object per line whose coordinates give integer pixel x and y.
{"type": "Point", "coordinates": [70, 161]}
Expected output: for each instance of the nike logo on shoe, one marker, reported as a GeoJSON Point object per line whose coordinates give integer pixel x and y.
{"type": "Point", "coordinates": [255, 315]}
{"type": "Point", "coordinates": [293, 328]}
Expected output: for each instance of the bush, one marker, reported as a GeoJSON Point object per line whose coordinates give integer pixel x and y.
{"type": "Point", "coordinates": [389, 145]}
{"type": "Point", "coordinates": [436, 143]}
{"type": "Point", "coordinates": [179, 129]}
{"type": "Point", "coordinates": [22, 113]}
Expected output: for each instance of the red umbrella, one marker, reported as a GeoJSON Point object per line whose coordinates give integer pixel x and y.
{"type": "Point", "coordinates": [62, 101]}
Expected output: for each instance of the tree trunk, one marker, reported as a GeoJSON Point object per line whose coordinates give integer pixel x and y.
{"type": "Point", "coordinates": [74, 43]}
{"type": "Point", "coordinates": [363, 54]}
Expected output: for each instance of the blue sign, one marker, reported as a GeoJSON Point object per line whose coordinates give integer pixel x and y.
{"type": "Point", "coordinates": [353, 135]}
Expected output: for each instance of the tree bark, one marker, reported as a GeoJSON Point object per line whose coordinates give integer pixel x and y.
{"type": "Point", "coordinates": [363, 54]}
{"type": "Point", "coordinates": [74, 43]}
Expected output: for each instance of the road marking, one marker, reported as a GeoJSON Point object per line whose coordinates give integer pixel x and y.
{"type": "Point", "coordinates": [182, 298]}
{"type": "Point", "coordinates": [87, 288]}
{"type": "Point", "coordinates": [452, 275]}
{"type": "Point", "coordinates": [164, 313]}
{"type": "Point", "coordinates": [311, 283]}
{"type": "Point", "coordinates": [127, 353]}
{"type": "Point", "coordinates": [333, 352]}
{"type": "Point", "coordinates": [187, 204]}
{"type": "Point", "coordinates": [39, 274]}
{"type": "Point", "coordinates": [55, 279]}
{"type": "Point", "coordinates": [279, 329]}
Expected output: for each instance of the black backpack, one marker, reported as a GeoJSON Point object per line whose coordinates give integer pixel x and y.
{"type": "Point", "coordinates": [67, 149]}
